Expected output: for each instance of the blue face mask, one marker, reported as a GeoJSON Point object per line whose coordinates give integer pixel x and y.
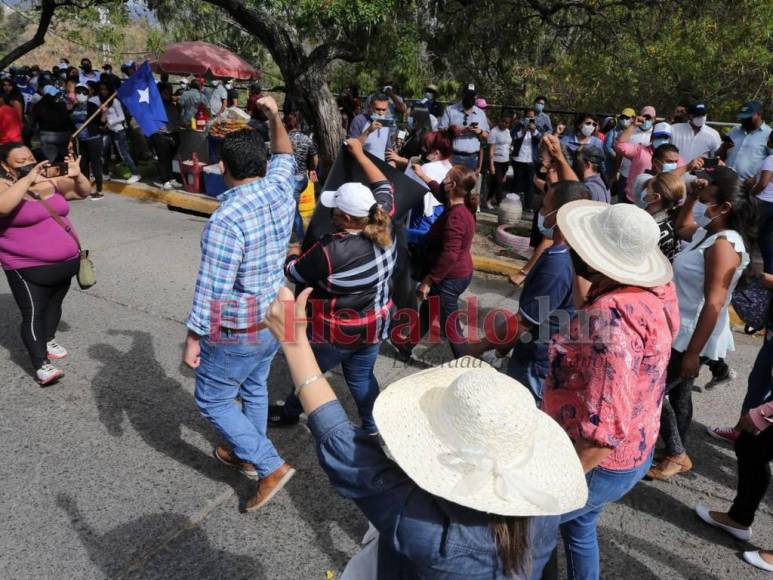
{"type": "Point", "coordinates": [538, 107]}
{"type": "Point", "coordinates": [543, 229]}
{"type": "Point", "coordinates": [658, 142]}
{"type": "Point", "coordinates": [646, 126]}
{"type": "Point", "coordinates": [668, 167]}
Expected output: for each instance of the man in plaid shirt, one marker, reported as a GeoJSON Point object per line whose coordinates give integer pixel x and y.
{"type": "Point", "coordinates": [243, 248]}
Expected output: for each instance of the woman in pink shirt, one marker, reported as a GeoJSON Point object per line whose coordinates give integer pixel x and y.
{"type": "Point", "coordinates": [39, 257]}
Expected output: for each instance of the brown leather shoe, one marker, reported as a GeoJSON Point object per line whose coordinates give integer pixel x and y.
{"type": "Point", "coordinates": [269, 486]}
{"type": "Point", "coordinates": [670, 466]}
{"type": "Point", "coordinates": [225, 454]}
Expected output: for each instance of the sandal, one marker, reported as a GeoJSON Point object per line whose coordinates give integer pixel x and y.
{"type": "Point", "coordinates": [670, 466]}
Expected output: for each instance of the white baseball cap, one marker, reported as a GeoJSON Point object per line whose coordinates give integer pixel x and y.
{"type": "Point", "coordinates": [354, 199]}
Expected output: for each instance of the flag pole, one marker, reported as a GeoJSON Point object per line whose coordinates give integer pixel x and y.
{"type": "Point", "coordinates": [101, 108]}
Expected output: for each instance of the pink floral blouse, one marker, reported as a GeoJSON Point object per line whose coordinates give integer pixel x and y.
{"type": "Point", "coordinates": [607, 372]}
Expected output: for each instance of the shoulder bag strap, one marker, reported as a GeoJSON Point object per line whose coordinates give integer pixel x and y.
{"type": "Point", "coordinates": [57, 218]}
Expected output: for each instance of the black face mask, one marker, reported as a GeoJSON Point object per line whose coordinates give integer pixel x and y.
{"type": "Point", "coordinates": [580, 267]}
{"type": "Point", "coordinates": [86, 68]}
{"type": "Point", "coordinates": [24, 170]}
{"type": "Point", "coordinates": [468, 102]}
{"type": "Point", "coordinates": [680, 119]}
{"type": "Point", "coordinates": [747, 124]}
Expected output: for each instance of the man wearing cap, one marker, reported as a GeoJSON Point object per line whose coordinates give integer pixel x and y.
{"type": "Point", "coordinates": [430, 101]}
{"type": "Point", "coordinates": [469, 125]}
{"type": "Point", "coordinates": [607, 372]}
{"type": "Point", "coordinates": [695, 138]}
{"type": "Point", "coordinates": [640, 134]}
{"type": "Point", "coordinates": [640, 155]}
{"type": "Point", "coordinates": [243, 249]}
{"type": "Point", "coordinates": [750, 141]}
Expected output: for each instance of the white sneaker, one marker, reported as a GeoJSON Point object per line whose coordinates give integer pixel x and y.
{"type": "Point", "coordinates": [172, 184]}
{"type": "Point", "coordinates": [133, 179]}
{"type": "Point", "coordinates": [48, 374]}
{"type": "Point", "coordinates": [55, 350]}
{"type": "Point", "coordinates": [738, 533]}
{"type": "Point", "coordinates": [753, 557]}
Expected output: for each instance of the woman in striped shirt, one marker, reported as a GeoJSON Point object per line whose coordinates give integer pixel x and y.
{"type": "Point", "coordinates": [351, 273]}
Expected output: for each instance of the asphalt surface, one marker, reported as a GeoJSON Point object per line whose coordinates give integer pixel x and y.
{"type": "Point", "coordinates": [110, 474]}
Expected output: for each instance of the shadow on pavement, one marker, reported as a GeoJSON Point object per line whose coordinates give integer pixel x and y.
{"type": "Point", "coordinates": [134, 386]}
{"type": "Point", "coordinates": [615, 546]}
{"type": "Point", "coordinates": [161, 545]}
{"type": "Point", "coordinates": [323, 510]}
{"type": "Point", "coordinates": [10, 336]}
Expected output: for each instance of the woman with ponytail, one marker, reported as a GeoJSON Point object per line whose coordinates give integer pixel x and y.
{"type": "Point", "coordinates": [350, 272]}
{"type": "Point", "coordinates": [447, 259]}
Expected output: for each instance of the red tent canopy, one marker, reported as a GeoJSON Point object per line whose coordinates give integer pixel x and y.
{"type": "Point", "coordinates": [202, 58]}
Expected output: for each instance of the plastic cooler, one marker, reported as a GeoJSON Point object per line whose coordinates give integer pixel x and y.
{"type": "Point", "coordinates": [214, 184]}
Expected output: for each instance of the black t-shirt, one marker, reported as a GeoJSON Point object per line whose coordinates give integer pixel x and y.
{"type": "Point", "coordinates": [52, 115]}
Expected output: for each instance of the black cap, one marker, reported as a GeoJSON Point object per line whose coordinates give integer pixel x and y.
{"type": "Point", "coordinates": [591, 153]}
{"type": "Point", "coordinates": [698, 109]}
{"type": "Point", "coordinates": [469, 89]}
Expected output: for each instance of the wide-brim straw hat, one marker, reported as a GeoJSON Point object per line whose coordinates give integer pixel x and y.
{"type": "Point", "coordinates": [621, 241]}
{"type": "Point", "coordinates": [474, 436]}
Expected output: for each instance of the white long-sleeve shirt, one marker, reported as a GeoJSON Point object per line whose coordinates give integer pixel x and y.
{"type": "Point", "coordinates": [115, 116]}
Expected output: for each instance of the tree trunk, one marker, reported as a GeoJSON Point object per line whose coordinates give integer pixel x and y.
{"type": "Point", "coordinates": [302, 73]}
{"type": "Point", "coordinates": [325, 117]}
{"type": "Point", "coordinates": [47, 9]}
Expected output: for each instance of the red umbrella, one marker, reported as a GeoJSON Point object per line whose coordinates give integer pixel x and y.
{"type": "Point", "coordinates": [202, 58]}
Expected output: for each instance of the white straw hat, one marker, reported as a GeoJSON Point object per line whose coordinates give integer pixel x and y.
{"type": "Point", "coordinates": [472, 435]}
{"type": "Point", "coordinates": [620, 241]}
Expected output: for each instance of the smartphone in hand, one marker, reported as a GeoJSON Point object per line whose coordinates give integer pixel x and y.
{"type": "Point", "coordinates": [54, 170]}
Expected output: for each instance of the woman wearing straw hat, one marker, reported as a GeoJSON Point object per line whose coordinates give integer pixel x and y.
{"type": "Point", "coordinates": [474, 466]}
{"type": "Point", "coordinates": [607, 371]}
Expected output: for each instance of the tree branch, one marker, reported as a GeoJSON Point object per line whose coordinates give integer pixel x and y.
{"type": "Point", "coordinates": [47, 9]}
{"type": "Point", "coordinates": [324, 54]}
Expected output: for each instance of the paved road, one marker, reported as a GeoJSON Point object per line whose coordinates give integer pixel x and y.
{"type": "Point", "coordinates": [109, 473]}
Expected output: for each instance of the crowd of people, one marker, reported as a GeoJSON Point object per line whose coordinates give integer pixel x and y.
{"type": "Point", "coordinates": [643, 232]}
{"type": "Point", "coordinates": [52, 110]}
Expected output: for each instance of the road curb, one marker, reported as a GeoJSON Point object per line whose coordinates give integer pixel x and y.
{"type": "Point", "coordinates": [206, 205]}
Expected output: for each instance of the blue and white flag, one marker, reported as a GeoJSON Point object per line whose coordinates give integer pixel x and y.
{"type": "Point", "coordinates": [140, 96]}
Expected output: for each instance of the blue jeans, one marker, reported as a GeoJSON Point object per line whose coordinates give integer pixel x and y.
{"type": "Point", "coordinates": [527, 374]}
{"type": "Point", "coordinates": [300, 186]}
{"type": "Point", "coordinates": [764, 233]}
{"type": "Point", "coordinates": [470, 160]}
{"type": "Point", "coordinates": [357, 365]}
{"type": "Point", "coordinates": [578, 528]}
{"type": "Point", "coordinates": [227, 370]}
{"type": "Point", "coordinates": [119, 138]}
{"type": "Point", "coordinates": [447, 292]}
{"type": "Point", "coordinates": [758, 387]}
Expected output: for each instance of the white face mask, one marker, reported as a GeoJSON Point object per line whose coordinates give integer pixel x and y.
{"type": "Point", "coordinates": [588, 130]}
{"type": "Point", "coordinates": [229, 86]}
{"type": "Point", "coordinates": [81, 98]}
{"type": "Point", "coordinates": [699, 121]}
{"type": "Point", "coordinates": [625, 123]}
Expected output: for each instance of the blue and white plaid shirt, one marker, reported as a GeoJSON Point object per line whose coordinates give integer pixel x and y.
{"type": "Point", "coordinates": [243, 249]}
